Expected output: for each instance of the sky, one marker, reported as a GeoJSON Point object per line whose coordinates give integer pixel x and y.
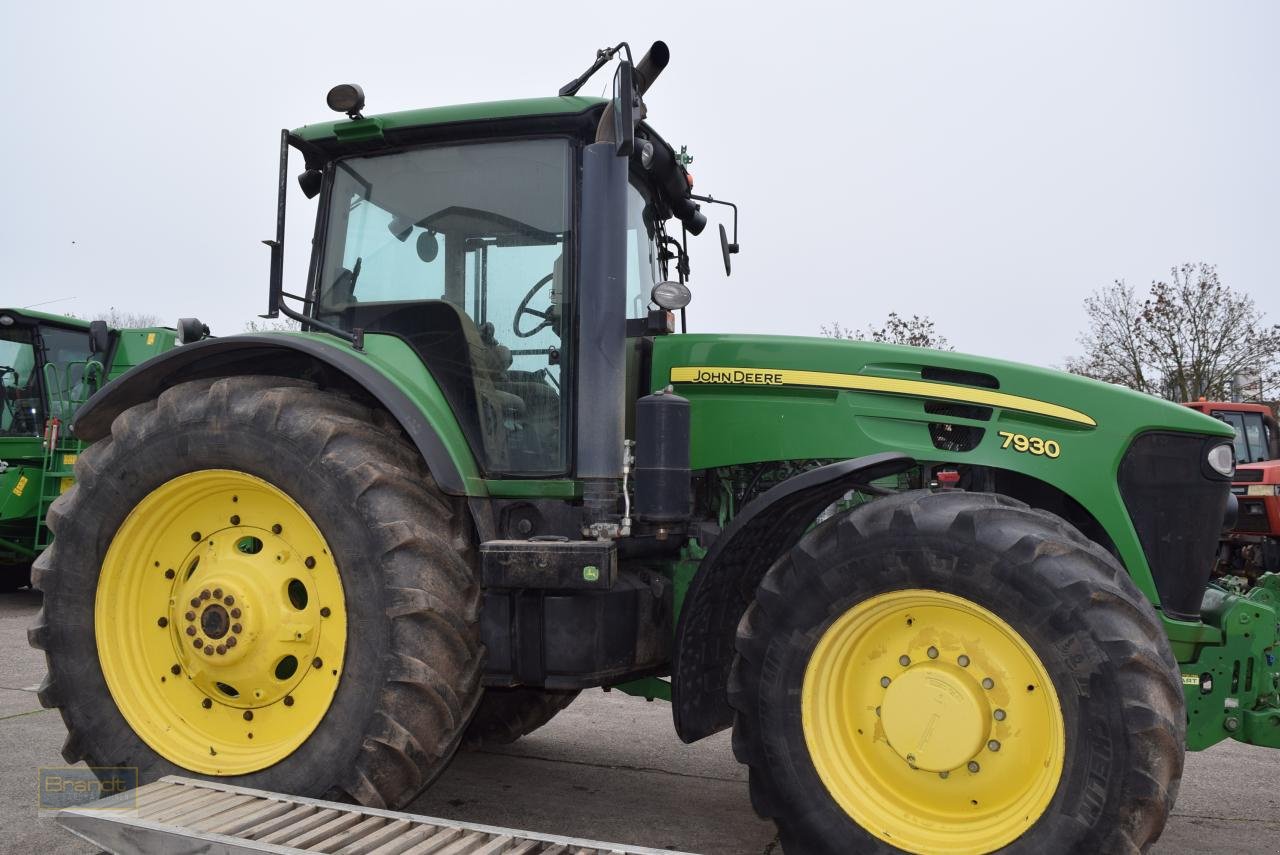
{"type": "Point", "coordinates": [985, 164]}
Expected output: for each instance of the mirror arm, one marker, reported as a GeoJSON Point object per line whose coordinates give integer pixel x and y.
{"type": "Point", "coordinates": [733, 247]}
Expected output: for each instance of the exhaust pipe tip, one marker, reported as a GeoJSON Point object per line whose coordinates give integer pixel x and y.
{"type": "Point", "coordinates": [651, 65]}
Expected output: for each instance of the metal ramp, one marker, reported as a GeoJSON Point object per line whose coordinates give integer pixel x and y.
{"type": "Point", "coordinates": [182, 815]}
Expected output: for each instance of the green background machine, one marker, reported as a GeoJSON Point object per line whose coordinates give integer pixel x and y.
{"type": "Point", "coordinates": [49, 366]}
{"type": "Point", "coordinates": [946, 603]}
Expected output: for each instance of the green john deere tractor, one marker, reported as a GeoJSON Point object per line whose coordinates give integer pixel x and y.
{"type": "Point", "coordinates": [49, 366]}
{"type": "Point", "coordinates": [946, 603]}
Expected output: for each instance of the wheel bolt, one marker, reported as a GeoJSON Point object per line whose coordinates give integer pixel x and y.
{"type": "Point", "coordinates": [191, 630]}
{"type": "Point", "coordinates": [221, 649]}
{"type": "Point", "coordinates": [217, 593]}
{"type": "Point", "coordinates": [288, 700]}
{"type": "Point", "coordinates": [319, 663]}
{"type": "Point", "coordinates": [175, 670]}
{"type": "Point", "coordinates": [229, 600]}
{"type": "Point", "coordinates": [206, 703]}
{"type": "Point", "coordinates": [198, 643]}
{"type": "Point", "coordinates": [310, 562]}
{"type": "Point", "coordinates": [963, 661]}
{"type": "Point", "coordinates": [904, 660]}
{"type": "Point", "coordinates": [195, 537]}
{"type": "Point", "coordinates": [324, 611]}
{"type": "Point", "coordinates": [208, 650]}
{"type": "Point", "coordinates": [993, 745]}
{"type": "Point", "coordinates": [231, 642]}
{"type": "Point", "coordinates": [248, 715]}
{"type": "Point", "coordinates": [276, 529]}
{"type": "Point", "coordinates": [190, 616]}
{"type": "Point", "coordinates": [195, 602]}
{"type": "Point", "coordinates": [235, 613]}
{"type": "Point", "coordinates": [973, 766]}
{"type": "Point", "coordinates": [933, 653]}
{"type": "Point", "coordinates": [988, 683]}
{"type": "Point", "coordinates": [998, 715]}
{"type": "Point", "coordinates": [235, 520]}
{"type": "Point", "coordinates": [169, 574]}
{"type": "Point", "coordinates": [884, 681]}
{"type": "Point", "coordinates": [204, 595]}
{"type": "Point", "coordinates": [163, 622]}
{"type": "Point", "coordinates": [236, 628]}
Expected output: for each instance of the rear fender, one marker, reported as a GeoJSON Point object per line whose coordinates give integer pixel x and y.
{"type": "Point", "coordinates": [388, 370]}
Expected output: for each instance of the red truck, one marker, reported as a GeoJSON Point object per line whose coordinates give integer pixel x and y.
{"type": "Point", "coordinates": [1253, 546]}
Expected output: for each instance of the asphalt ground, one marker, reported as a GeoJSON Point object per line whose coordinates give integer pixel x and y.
{"type": "Point", "coordinates": [609, 768]}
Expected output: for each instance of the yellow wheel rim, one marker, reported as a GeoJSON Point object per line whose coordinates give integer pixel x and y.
{"type": "Point", "coordinates": [933, 723]}
{"type": "Point", "coordinates": [220, 622]}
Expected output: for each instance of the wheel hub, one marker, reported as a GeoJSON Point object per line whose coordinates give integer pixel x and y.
{"type": "Point", "coordinates": [935, 717]}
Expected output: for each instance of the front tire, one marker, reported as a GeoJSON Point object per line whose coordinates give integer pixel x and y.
{"type": "Point", "coordinates": [956, 672]}
{"type": "Point", "coordinates": [258, 580]}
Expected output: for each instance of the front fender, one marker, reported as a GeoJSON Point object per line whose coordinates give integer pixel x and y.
{"type": "Point", "coordinates": [388, 369]}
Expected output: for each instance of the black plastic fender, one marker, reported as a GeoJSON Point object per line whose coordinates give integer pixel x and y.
{"type": "Point", "coordinates": [725, 584]}
{"type": "Point", "coordinates": [253, 354]}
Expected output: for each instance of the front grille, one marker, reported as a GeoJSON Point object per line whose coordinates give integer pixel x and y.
{"type": "Point", "coordinates": [1178, 511]}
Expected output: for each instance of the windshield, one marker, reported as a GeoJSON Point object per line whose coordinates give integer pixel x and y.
{"type": "Point", "coordinates": [1251, 435]}
{"type": "Point", "coordinates": [20, 407]}
{"type": "Point", "coordinates": [462, 251]}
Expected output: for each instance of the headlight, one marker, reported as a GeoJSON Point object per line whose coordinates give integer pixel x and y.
{"type": "Point", "coordinates": [1263, 490]}
{"type": "Point", "coordinates": [1222, 459]}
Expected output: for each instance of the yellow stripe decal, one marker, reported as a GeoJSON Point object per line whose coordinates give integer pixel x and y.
{"type": "Point", "coordinates": [865, 383]}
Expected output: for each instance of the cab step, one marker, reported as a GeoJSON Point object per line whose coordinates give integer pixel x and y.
{"type": "Point", "coordinates": [177, 814]}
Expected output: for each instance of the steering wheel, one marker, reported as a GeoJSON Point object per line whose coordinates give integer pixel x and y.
{"type": "Point", "coordinates": [547, 318]}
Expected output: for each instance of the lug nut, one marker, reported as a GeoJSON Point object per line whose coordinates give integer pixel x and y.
{"type": "Point", "coordinates": [217, 593]}
{"type": "Point", "coordinates": [973, 766]}
{"type": "Point", "coordinates": [988, 683]}
{"type": "Point", "coordinates": [175, 670]}
{"type": "Point", "coordinates": [963, 661]}
{"type": "Point", "coordinates": [221, 649]}
{"type": "Point", "coordinates": [993, 745]}
{"type": "Point", "coordinates": [231, 642]}
{"type": "Point", "coordinates": [229, 600]}
{"type": "Point", "coordinates": [884, 681]}
{"type": "Point", "coordinates": [195, 537]}
{"type": "Point", "coordinates": [208, 650]}
{"type": "Point", "coordinates": [235, 613]}
{"type": "Point", "coordinates": [904, 660]}
{"type": "Point", "coordinates": [236, 628]}
{"type": "Point", "coordinates": [198, 643]}
{"type": "Point", "coordinates": [204, 595]}
{"type": "Point", "coordinates": [288, 700]}
{"type": "Point", "coordinates": [319, 663]}
{"type": "Point", "coordinates": [195, 602]}
{"type": "Point", "coordinates": [169, 574]}
{"type": "Point", "coordinates": [276, 529]}
{"type": "Point", "coordinates": [324, 611]}
{"type": "Point", "coordinates": [235, 520]}
{"type": "Point", "coordinates": [933, 653]}
{"type": "Point", "coordinates": [206, 703]}
{"type": "Point", "coordinates": [191, 630]}
{"type": "Point", "coordinates": [998, 715]}
{"type": "Point", "coordinates": [190, 616]}
{"type": "Point", "coordinates": [163, 622]}
{"type": "Point", "coordinates": [248, 715]}
{"type": "Point", "coordinates": [310, 562]}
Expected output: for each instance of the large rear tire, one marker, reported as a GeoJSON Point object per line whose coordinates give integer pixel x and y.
{"type": "Point", "coordinates": [956, 672]}
{"type": "Point", "coordinates": [258, 580]}
{"type": "Point", "coordinates": [505, 715]}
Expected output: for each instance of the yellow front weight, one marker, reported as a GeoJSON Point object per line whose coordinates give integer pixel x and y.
{"type": "Point", "coordinates": [220, 622]}
{"type": "Point", "coordinates": [933, 723]}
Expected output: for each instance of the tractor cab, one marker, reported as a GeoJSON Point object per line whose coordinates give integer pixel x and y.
{"type": "Point", "coordinates": [48, 367]}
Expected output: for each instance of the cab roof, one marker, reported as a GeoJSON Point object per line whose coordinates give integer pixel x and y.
{"type": "Point", "coordinates": [45, 317]}
{"type": "Point", "coordinates": [432, 116]}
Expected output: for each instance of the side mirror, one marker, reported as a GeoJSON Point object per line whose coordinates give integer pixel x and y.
{"type": "Point", "coordinates": [428, 246]}
{"type": "Point", "coordinates": [624, 110]}
{"type": "Point", "coordinates": [99, 337]}
{"type": "Point", "coordinates": [727, 249]}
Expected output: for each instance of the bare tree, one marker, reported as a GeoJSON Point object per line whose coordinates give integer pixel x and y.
{"type": "Point", "coordinates": [916, 331]}
{"type": "Point", "coordinates": [122, 319]}
{"type": "Point", "coordinates": [285, 325]}
{"type": "Point", "coordinates": [1189, 337]}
